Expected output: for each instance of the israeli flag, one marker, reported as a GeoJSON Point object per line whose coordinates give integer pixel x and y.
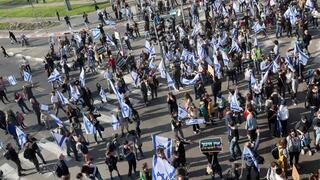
{"type": "Point", "coordinates": [135, 78]}
{"type": "Point", "coordinates": [55, 76]}
{"type": "Point", "coordinates": [60, 140]}
{"type": "Point", "coordinates": [88, 126]}
{"type": "Point", "coordinates": [162, 142]}
{"type": "Point", "coordinates": [234, 104]}
{"type": "Point", "coordinates": [182, 33]}
{"type": "Point", "coordinates": [236, 6]}
{"type": "Point", "coordinates": [115, 91]}
{"type": "Point", "coordinates": [151, 64]}
{"type": "Point", "coordinates": [255, 42]}
{"type": "Point", "coordinates": [77, 37]}
{"type": "Point", "coordinates": [74, 92]}
{"type": "Point", "coordinates": [12, 80]}
{"type": "Point", "coordinates": [162, 69]}
{"type": "Point", "coordinates": [201, 52]}
{"type": "Point", "coordinates": [288, 61]}
{"type": "Point", "coordinates": [309, 5]}
{"type": "Point", "coordinates": [275, 65]}
{"type": "Point", "coordinates": [44, 107]}
{"type": "Point", "coordinates": [185, 55]}
{"type": "Point", "coordinates": [147, 46]}
{"type": "Point", "coordinates": [63, 99]}
{"type": "Point", "coordinates": [162, 169]}
{"type": "Point", "coordinates": [110, 22]}
{"type": "Point", "coordinates": [196, 29]}
{"type": "Point", "coordinates": [182, 113]}
{"type": "Point", "coordinates": [253, 80]}
{"type": "Point", "coordinates": [225, 58]}
{"type": "Point", "coordinates": [191, 81]}
{"type": "Point", "coordinates": [247, 153]}
{"type": "Point", "coordinates": [115, 122]}
{"type": "Point", "coordinates": [109, 40]}
{"type": "Point", "coordinates": [27, 76]}
{"type": "Point", "coordinates": [235, 47]}
{"type": "Point", "coordinates": [257, 27]}
{"type": "Point", "coordinates": [303, 58]}
{"type": "Point", "coordinates": [170, 82]}
{"type": "Point", "coordinates": [224, 12]}
{"type": "Point", "coordinates": [279, 126]}
{"type": "Point", "coordinates": [216, 67]}
{"type": "Point", "coordinates": [22, 137]}
{"type": "Point", "coordinates": [125, 110]}
{"type": "Point", "coordinates": [103, 95]}
{"type": "Point", "coordinates": [194, 121]}
{"type": "Point", "coordinates": [82, 78]}
{"type": "Point", "coordinates": [56, 120]}
{"type": "Point", "coordinates": [95, 33]}
{"type": "Point", "coordinates": [264, 78]}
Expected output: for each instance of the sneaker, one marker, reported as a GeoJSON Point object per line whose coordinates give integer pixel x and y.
{"type": "Point", "coordinates": [310, 153]}
{"type": "Point", "coordinates": [303, 152]}
{"type": "Point", "coordinates": [194, 132]}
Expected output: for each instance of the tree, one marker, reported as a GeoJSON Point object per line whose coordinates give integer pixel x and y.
{"type": "Point", "coordinates": [68, 5]}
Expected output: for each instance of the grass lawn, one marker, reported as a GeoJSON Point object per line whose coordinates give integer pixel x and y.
{"type": "Point", "coordinates": [24, 2]}
{"type": "Point", "coordinates": [50, 11]}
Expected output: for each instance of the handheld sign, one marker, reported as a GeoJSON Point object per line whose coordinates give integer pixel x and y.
{"type": "Point", "coordinates": [210, 145]}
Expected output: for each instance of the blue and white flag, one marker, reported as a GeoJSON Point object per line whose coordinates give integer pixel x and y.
{"type": "Point", "coordinates": [54, 76]}
{"type": "Point", "coordinates": [309, 5]}
{"type": "Point", "coordinates": [95, 33]}
{"type": "Point", "coordinates": [151, 64]}
{"type": "Point", "coordinates": [162, 169]}
{"type": "Point", "coordinates": [12, 80]}
{"type": "Point", "coordinates": [125, 110]}
{"type": "Point", "coordinates": [235, 47]}
{"type": "Point", "coordinates": [265, 77]}
{"type": "Point", "coordinates": [103, 95]}
{"type": "Point", "coordinates": [136, 79]}
{"type": "Point", "coordinates": [255, 42]}
{"type": "Point", "coordinates": [303, 58]}
{"type": "Point", "coordinates": [225, 58]}
{"type": "Point", "coordinates": [109, 40]}
{"type": "Point", "coordinates": [194, 121]}
{"type": "Point", "coordinates": [279, 126]}
{"type": "Point", "coordinates": [196, 29]}
{"type": "Point", "coordinates": [162, 69]}
{"type": "Point", "coordinates": [56, 119]}
{"type": "Point", "coordinates": [75, 94]}
{"type": "Point", "coordinates": [82, 78]}
{"type": "Point", "coordinates": [110, 22]}
{"type": "Point", "coordinates": [190, 81]}
{"type": "Point", "coordinates": [60, 140]}
{"type": "Point", "coordinates": [115, 91]}
{"type": "Point", "coordinates": [88, 126]}
{"type": "Point", "coordinates": [27, 76]}
{"type": "Point", "coordinates": [201, 52]}
{"type": "Point", "coordinates": [171, 82]}
{"type": "Point", "coordinates": [150, 49]}
{"type": "Point", "coordinates": [162, 142]}
{"type": "Point", "coordinates": [63, 99]}
{"type": "Point", "coordinates": [275, 66]}
{"type": "Point", "coordinates": [236, 6]}
{"type": "Point", "coordinates": [288, 61]}
{"type": "Point", "coordinates": [291, 14]}
{"type": "Point", "coordinates": [234, 104]}
{"type": "Point", "coordinates": [253, 80]}
{"type": "Point", "coordinates": [182, 113]}
{"type": "Point", "coordinates": [247, 153]}
{"type": "Point", "coordinates": [256, 28]}
{"type": "Point", "coordinates": [22, 137]}
{"type": "Point", "coordinates": [1, 144]}
{"type": "Point", "coordinates": [115, 122]}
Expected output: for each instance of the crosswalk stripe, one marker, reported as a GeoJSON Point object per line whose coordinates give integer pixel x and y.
{"type": "Point", "coordinates": [9, 172]}
{"type": "Point", "coordinates": [52, 148]}
{"type": "Point", "coordinates": [40, 89]}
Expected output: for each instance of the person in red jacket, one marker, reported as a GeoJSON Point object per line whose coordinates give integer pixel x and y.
{"type": "Point", "coordinates": [112, 63]}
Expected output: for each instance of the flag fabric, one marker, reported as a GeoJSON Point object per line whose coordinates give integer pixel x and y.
{"type": "Point", "coordinates": [253, 80]}
{"type": "Point", "coordinates": [88, 126]}
{"type": "Point", "coordinates": [1, 144]}
{"type": "Point", "coordinates": [257, 27]}
{"type": "Point", "coordinates": [247, 153]}
{"type": "Point", "coordinates": [54, 76]}
{"type": "Point", "coordinates": [162, 69]}
{"type": "Point", "coordinates": [115, 122]}
{"type": "Point", "coordinates": [63, 99]}
{"type": "Point", "coordinates": [60, 140]}
{"type": "Point", "coordinates": [162, 142]}
{"type": "Point", "coordinates": [12, 80]}
{"type": "Point", "coordinates": [196, 29]}
{"type": "Point", "coordinates": [22, 137]}
{"type": "Point", "coordinates": [103, 95]}
{"type": "Point", "coordinates": [182, 113]}
{"type": "Point", "coordinates": [279, 126]}
{"type": "Point", "coordinates": [194, 121]}
{"type": "Point", "coordinates": [234, 46]}
{"type": "Point", "coordinates": [236, 6]}
{"type": "Point", "coordinates": [288, 61]}
{"type": "Point", "coordinates": [109, 40]}
{"type": "Point", "coordinates": [95, 33]}
{"type": "Point", "coordinates": [44, 107]}
{"type": "Point", "coordinates": [110, 22]}
{"type": "Point", "coordinates": [82, 78]}
{"type": "Point", "coordinates": [291, 14]}
{"type": "Point", "coordinates": [135, 78]}
{"type": "Point", "coordinates": [75, 94]}
{"type": "Point", "coordinates": [303, 58]}
{"type": "Point", "coordinates": [125, 110]}
{"type": "Point", "coordinates": [191, 81]}
{"type": "Point", "coordinates": [225, 58]}
{"type": "Point", "coordinates": [115, 91]}
{"type": "Point", "coordinates": [255, 42]}
{"type": "Point", "coordinates": [27, 76]}
{"type": "Point", "coordinates": [275, 65]}
{"type": "Point", "coordinates": [264, 78]}
{"type": "Point", "coordinates": [201, 52]}
{"type": "Point", "coordinates": [162, 169]}
{"type": "Point", "coordinates": [56, 120]}
{"type": "Point", "coordinates": [309, 5]}
{"type": "Point", "coordinates": [170, 82]}
{"type": "Point", "coordinates": [151, 64]}
{"type": "Point", "coordinates": [234, 104]}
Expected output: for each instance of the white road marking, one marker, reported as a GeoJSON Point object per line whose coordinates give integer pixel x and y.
{"type": "Point", "coordinates": [9, 172]}
{"type": "Point", "coordinates": [52, 148]}
{"type": "Point", "coordinates": [40, 89]}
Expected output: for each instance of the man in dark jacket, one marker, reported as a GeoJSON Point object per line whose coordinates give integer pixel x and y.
{"type": "Point", "coordinates": [36, 109]}
{"type": "Point", "coordinates": [35, 146]}
{"type": "Point", "coordinates": [30, 154]}
{"type": "Point", "coordinates": [144, 91]}
{"type": "Point", "coordinates": [62, 169]}
{"type": "Point", "coordinates": [12, 155]}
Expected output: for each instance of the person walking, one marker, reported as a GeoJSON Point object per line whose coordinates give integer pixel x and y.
{"type": "Point", "coordinates": [36, 109]}
{"type": "Point", "coordinates": [4, 52]}
{"type": "Point", "coordinates": [145, 174]}
{"type": "Point", "coordinates": [294, 147]}
{"type": "Point", "coordinates": [144, 91]}
{"type": "Point", "coordinates": [20, 101]}
{"type": "Point", "coordinates": [71, 146]}
{"type": "Point", "coordinates": [12, 37]}
{"type": "Point", "coordinates": [130, 157]}
{"type": "Point", "coordinates": [35, 147]}
{"type": "Point", "coordinates": [233, 141]}
{"type": "Point", "coordinates": [62, 170]}
{"type": "Point", "coordinates": [3, 91]}
{"type": "Point", "coordinates": [56, 103]}
{"type": "Point", "coordinates": [12, 155]}
{"type": "Point", "coordinates": [111, 161]}
{"type": "Point", "coordinates": [30, 154]}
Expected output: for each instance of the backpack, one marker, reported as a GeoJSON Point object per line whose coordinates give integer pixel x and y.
{"type": "Point", "coordinates": [84, 149]}
{"type": "Point", "coordinates": [26, 154]}
{"type": "Point", "coordinates": [7, 155]}
{"type": "Point", "coordinates": [111, 146]}
{"type": "Point", "coordinates": [275, 151]}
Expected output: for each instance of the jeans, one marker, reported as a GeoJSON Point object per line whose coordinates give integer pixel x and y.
{"type": "Point", "coordinates": [132, 164]}
{"type": "Point", "coordinates": [252, 173]}
{"type": "Point", "coordinates": [18, 163]}
{"type": "Point", "coordinates": [294, 155]}
{"type": "Point", "coordinates": [23, 105]}
{"type": "Point", "coordinates": [278, 30]}
{"type": "Point", "coordinates": [234, 148]}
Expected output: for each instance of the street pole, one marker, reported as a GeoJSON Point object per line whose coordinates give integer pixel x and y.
{"type": "Point", "coordinates": [68, 5]}
{"type": "Point", "coordinates": [182, 12]}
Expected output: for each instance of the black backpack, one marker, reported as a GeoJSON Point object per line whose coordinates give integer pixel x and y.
{"type": "Point", "coordinates": [58, 171]}
{"type": "Point", "coordinates": [275, 151]}
{"type": "Point", "coordinates": [7, 155]}
{"type": "Point", "coordinates": [84, 149]}
{"type": "Point", "coordinates": [26, 154]}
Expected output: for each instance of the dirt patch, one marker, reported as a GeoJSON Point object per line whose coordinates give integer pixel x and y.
{"type": "Point", "coordinates": [28, 26]}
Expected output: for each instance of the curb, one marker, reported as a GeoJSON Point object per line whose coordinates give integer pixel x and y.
{"type": "Point", "coordinates": [29, 58]}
